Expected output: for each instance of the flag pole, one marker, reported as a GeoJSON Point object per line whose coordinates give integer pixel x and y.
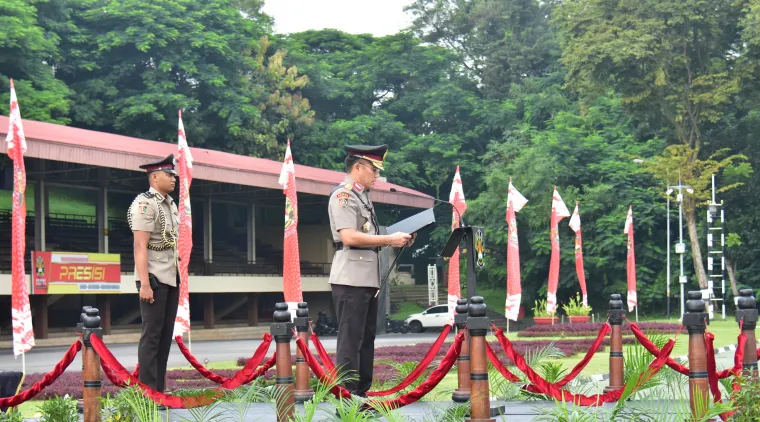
{"type": "Point", "coordinates": [637, 314]}
{"type": "Point", "coordinates": [23, 363]}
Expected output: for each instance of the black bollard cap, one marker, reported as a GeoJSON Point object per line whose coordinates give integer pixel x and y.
{"type": "Point", "coordinates": [746, 300]}
{"type": "Point", "coordinates": [747, 309]}
{"type": "Point", "coordinates": [90, 324]}
{"type": "Point", "coordinates": [282, 326]}
{"type": "Point", "coordinates": [302, 317]}
{"type": "Point", "coordinates": [477, 322]}
{"type": "Point", "coordinates": [477, 307]}
{"type": "Point", "coordinates": [462, 309]}
{"type": "Point", "coordinates": [303, 310]}
{"type": "Point", "coordinates": [695, 318]}
{"type": "Point", "coordinates": [617, 310]}
{"type": "Point", "coordinates": [462, 306]}
{"type": "Point", "coordinates": [281, 312]}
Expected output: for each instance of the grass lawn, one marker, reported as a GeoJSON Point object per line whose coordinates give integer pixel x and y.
{"type": "Point", "coordinates": [406, 309]}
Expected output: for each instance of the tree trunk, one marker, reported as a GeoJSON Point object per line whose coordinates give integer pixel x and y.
{"type": "Point", "coordinates": [731, 269]}
{"type": "Point", "coordinates": [696, 251]}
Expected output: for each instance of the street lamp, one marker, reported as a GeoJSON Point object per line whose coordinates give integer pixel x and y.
{"type": "Point", "coordinates": [680, 246]}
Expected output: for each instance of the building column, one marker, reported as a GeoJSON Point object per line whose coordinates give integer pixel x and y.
{"type": "Point", "coordinates": [104, 306]}
{"type": "Point", "coordinates": [251, 231]}
{"type": "Point", "coordinates": [253, 309]}
{"type": "Point", "coordinates": [40, 307]}
{"type": "Point", "coordinates": [208, 311]}
{"type": "Point", "coordinates": [102, 219]}
{"type": "Point", "coordinates": [40, 215]}
{"type": "Point", "coordinates": [208, 244]}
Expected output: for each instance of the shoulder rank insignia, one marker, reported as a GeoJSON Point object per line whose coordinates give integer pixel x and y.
{"type": "Point", "coordinates": [349, 186]}
{"type": "Point", "coordinates": [148, 194]}
{"type": "Point", "coordinates": [342, 199]}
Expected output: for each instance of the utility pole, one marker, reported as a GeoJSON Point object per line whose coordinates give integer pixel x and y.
{"type": "Point", "coordinates": [680, 246]}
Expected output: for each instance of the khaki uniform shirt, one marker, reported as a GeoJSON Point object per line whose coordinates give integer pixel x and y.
{"type": "Point", "coordinates": [350, 266]}
{"type": "Point", "coordinates": [151, 212]}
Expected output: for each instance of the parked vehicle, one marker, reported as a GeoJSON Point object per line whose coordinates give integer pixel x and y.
{"type": "Point", "coordinates": [395, 326]}
{"type": "Point", "coordinates": [433, 317]}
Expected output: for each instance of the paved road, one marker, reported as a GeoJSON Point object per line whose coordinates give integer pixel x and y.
{"type": "Point", "coordinates": [42, 359]}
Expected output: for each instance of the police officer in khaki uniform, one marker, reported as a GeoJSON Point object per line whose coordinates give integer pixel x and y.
{"type": "Point", "coordinates": [355, 271]}
{"type": "Point", "coordinates": [154, 220]}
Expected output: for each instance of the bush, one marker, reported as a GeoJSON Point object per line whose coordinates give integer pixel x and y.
{"type": "Point", "coordinates": [59, 409]}
{"type": "Point", "coordinates": [591, 329]}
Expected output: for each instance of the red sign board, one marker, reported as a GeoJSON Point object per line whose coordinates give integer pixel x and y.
{"type": "Point", "coordinates": [75, 272]}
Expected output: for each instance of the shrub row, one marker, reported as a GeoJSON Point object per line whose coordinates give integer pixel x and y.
{"type": "Point", "coordinates": [589, 329]}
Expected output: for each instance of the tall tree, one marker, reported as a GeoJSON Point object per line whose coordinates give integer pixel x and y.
{"type": "Point", "coordinates": [133, 63]}
{"type": "Point", "coordinates": [498, 42]}
{"type": "Point", "coordinates": [26, 53]}
{"type": "Point", "coordinates": [673, 61]}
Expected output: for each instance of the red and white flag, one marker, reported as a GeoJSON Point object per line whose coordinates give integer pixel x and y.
{"type": "Point", "coordinates": [23, 333]}
{"type": "Point", "coordinates": [631, 265]}
{"type": "Point", "coordinates": [575, 224]}
{"type": "Point", "coordinates": [291, 277]}
{"type": "Point", "coordinates": [559, 211]}
{"type": "Point", "coordinates": [456, 198]}
{"type": "Point", "coordinates": [515, 202]}
{"type": "Point", "coordinates": [185, 240]}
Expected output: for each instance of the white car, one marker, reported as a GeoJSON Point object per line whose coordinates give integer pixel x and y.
{"type": "Point", "coordinates": [433, 317]}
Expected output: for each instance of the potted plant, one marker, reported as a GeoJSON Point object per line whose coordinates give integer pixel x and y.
{"type": "Point", "coordinates": [540, 315]}
{"type": "Point", "coordinates": [575, 310]}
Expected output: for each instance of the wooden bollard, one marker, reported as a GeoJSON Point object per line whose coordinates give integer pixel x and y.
{"type": "Point", "coordinates": [303, 390]}
{"type": "Point", "coordinates": [90, 365]}
{"type": "Point", "coordinates": [748, 312]}
{"type": "Point", "coordinates": [616, 313]}
{"type": "Point", "coordinates": [282, 331]}
{"type": "Point", "coordinates": [480, 395]}
{"type": "Point", "coordinates": [696, 319]}
{"type": "Point", "coordinates": [462, 393]}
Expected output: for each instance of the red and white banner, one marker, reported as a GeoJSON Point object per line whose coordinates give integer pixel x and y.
{"type": "Point", "coordinates": [631, 265]}
{"type": "Point", "coordinates": [559, 211]}
{"type": "Point", "coordinates": [23, 334]}
{"type": "Point", "coordinates": [185, 238]}
{"type": "Point", "coordinates": [575, 224]}
{"type": "Point", "coordinates": [291, 277]}
{"type": "Point", "coordinates": [515, 202]}
{"type": "Point", "coordinates": [456, 198]}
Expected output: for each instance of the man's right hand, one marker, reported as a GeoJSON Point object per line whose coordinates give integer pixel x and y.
{"type": "Point", "coordinates": [398, 239]}
{"type": "Point", "coordinates": [146, 293]}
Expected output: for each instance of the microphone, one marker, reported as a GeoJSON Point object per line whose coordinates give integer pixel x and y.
{"type": "Point", "coordinates": [461, 221]}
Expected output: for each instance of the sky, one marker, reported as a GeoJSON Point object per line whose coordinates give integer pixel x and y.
{"type": "Point", "coordinates": [377, 17]}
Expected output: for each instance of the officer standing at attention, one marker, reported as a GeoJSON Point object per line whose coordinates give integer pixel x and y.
{"type": "Point", "coordinates": [355, 271]}
{"type": "Point", "coordinates": [154, 220]}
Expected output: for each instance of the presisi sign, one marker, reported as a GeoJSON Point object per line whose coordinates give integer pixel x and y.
{"type": "Point", "coordinates": [75, 272]}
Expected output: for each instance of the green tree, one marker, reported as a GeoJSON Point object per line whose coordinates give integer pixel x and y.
{"type": "Point", "coordinates": [674, 63]}
{"type": "Point", "coordinates": [133, 64]}
{"type": "Point", "coordinates": [26, 54]}
{"type": "Point", "coordinates": [498, 42]}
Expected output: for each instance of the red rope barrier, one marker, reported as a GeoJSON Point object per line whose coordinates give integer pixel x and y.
{"type": "Point", "coordinates": [407, 381]}
{"type": "Point", "coordinates": [651, 348]}
{"type": "Point", "coordinates": [48, 379]}
{"type": "Point", "coordinates": [500, 366]}
{"type": "Point", "coordinates": [325, 378]}
{"type": "Point", "coordinates": [248, 373]}
{"type": "Point", "coordinates": [431, 382]}
{"type": "Point", "coordinates": [542, 386]}
{"type": "Point", "coordinates": [120, 377]}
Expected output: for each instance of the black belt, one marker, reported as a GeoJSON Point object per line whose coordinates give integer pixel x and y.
{"type": "Point", "coordinates": [340, 245]}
